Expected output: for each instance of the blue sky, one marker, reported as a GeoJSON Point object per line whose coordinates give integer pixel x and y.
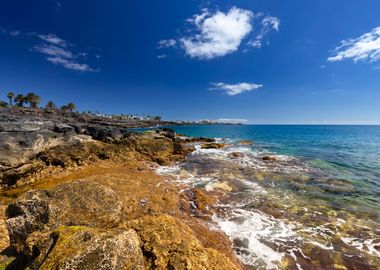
{"type": "Point", "coordinates": [264, 61]}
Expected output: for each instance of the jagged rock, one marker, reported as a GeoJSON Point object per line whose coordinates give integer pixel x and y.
{"type": "Point", "coordinates": [77, 248]}
{"type": "Point", "coordinates": [103, 133]}
{"type": "Point", "coordinates": [212, 145]}
{"type": "Point", "coordinates": [80, 202]}
{"type": "Point", "coordinates": [168, 243]}
{"type": "Point", "coordinates": [167, 132]}
{"type": "Point", "coordinates": [63, 128]}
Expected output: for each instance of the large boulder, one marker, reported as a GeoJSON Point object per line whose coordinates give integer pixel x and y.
{"type": "Point", "coordinates": [77, 203]}
{"type": "Point", "coordinates": [77, 248]}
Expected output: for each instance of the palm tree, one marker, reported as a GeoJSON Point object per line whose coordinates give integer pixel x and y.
{"type": "Point", "coordinates": [64, 108]}
{"type": "Point", "coordinates": [10, 95]}
{"type": "Point", "coordinates": [20, 100]}
{"type": "Point", "coordinates": [50, 106]}
{"type": "Point", "coordinates": [71, 107]}
{"type": "Point", "coordinates": [33, 100]}
{"type": "Point", "coordinates": [3, 104]}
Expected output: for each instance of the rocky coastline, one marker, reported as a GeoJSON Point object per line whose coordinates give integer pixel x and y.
{"type": "Point", "coordinates": [80, 193]}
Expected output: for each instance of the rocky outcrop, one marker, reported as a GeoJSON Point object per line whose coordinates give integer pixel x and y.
{"type": "Point", "coordinates": [168, 243]}
{"type": "Point", "coordinates": [80, 225]}
{"type": "Point", "coordinates": [27, 148]}
{"type": "Point", "coordinates": [84, 203]}
{"type": "Point", "coordinates": [72, 226]}
{"type": "Point", "coordinates": [77, 248]}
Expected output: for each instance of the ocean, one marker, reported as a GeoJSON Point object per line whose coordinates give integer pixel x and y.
{"type": "Point", "coordinates": [298, 197]}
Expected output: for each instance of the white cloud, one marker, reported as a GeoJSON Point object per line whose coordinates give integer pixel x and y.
{"type": "Point", "coordinates": [271, 22]}
{"type": "Point", "coordinates": [235, 89]}
{"type": "Point", "coordinates": [218, 33]}
{"type": "Point", "coordinates": [53, 50]}
{"type": "Point", "coordinates": [268, 23]}
{"type": "Point", "coordinates": [56, 50]}
{"type": "Point", "coordinates": [365, 47]}
{"type": "Point", "coordinates": [70, 64]}
{"type": "Point", "coordinates": [63, 57]}
{"type": "Point", "coordinates": [215, 33]}
{"type": "Point", "coordinates": [53, 39]}
{"type": "Point", "coordinates": [15, 33]}
{"type": "Point", "coordinates": [232, 120]}
{"type": "Point", "coordinates": [161, 56]}
{"type": "Point", "coordinates": [166, 43]}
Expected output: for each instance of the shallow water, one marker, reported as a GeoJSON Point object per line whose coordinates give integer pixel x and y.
{"type": "Point", "coordinates": [316, 206]}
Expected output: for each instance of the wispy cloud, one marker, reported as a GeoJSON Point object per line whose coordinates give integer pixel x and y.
{"type": "Point", "coordinates": [166, 43]}
{"type": "Point", "coordinates": [214, 34]}
{"type": "Point", "coordinates": [15, 33]}
{"type": "Point", "coordinates": [69, 64]}
{"type": "Point", "coordinates": [161, 56]}
{"type": "Point", "coordinates": [57, 50]}
{"type": "Point", "coordinates": [268, 23]}
{"type": "Point", "coordinates": [364, 48]}
{"type": "Point", "coordinates": [53, 39]}
{"type": "Point", "coordinates": [235, 89]}
{"type": "Point", "coordinates": [53, 50]}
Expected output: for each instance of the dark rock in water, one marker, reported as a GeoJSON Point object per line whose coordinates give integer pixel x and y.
{"type": "Point", "coordinates": [104, 134]}
{"type": "Point", "coordinates": [212, 145]}
{"type": "Point", "coordinates": [167, 132]}
{"type": "Point", "coordinates": [81, 202]}
{"type": "Point", "coordinates": [269, 158]}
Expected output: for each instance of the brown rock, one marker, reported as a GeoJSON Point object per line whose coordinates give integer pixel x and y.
{"type": "Point", "coordinates": [168, 243]}
{"type": "Point", "coordinates": [212, 145]}
{"type": "Point", "coordinates": [75, 203]}
{"type": "Point", "coordinates": [76, 248]}
{"type": "Point", "coordinates": [236, 155]}
{"type": "Point", "coordinates": [269, 158]}
{"type": "Point", "coordinates": [245, 142]}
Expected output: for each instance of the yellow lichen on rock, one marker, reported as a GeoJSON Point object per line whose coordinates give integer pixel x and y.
{"type": "Point", "coordinates": [168, 243]}
{"type": "Point", "coordinates": [89, 248]}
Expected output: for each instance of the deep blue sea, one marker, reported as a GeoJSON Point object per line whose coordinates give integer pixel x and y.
{"type": "Point", "coordinates": [314, 205]}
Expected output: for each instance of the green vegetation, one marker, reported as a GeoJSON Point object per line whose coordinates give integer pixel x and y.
{"type": "Point", "coordinates": [10, 95]}
{"type": "Point", "coordinates": [50, 106]}
{"type": "Point", "coordinates": [33, 101]}
{"type": "Point", "coordinates": [19, 100]}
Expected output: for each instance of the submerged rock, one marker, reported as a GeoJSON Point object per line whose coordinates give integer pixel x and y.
{"type": "Point", "coordinates": [245, 142]}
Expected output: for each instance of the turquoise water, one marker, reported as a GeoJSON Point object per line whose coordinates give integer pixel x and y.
{"type": "Point", "coordinates": [347, 152]}
{"type": "Point", "coordinates": [315, 206]}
